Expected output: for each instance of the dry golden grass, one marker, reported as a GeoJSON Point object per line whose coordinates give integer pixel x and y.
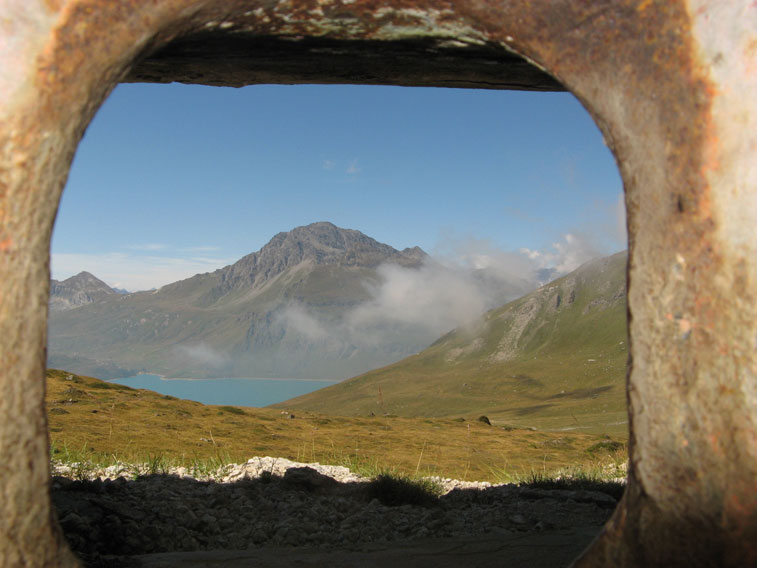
{"type": "Point", "coordinates": [104, 421]}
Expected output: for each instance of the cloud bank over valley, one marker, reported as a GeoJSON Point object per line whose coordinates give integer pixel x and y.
{"type": "Point", "coordinates": [449, 290]}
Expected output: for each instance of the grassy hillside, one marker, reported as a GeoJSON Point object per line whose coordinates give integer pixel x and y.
{"type": "Point", "coordinates": [554, 359]}
{"type": "Point", "coordinates": [100, 421]}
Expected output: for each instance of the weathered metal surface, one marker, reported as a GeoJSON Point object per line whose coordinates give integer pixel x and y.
{"type": "Point", "coordinates": [671, 84]}
{"type": "Point", "coordinates": [243, 59]}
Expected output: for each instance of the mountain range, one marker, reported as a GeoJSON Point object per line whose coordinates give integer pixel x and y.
{"type": "Point", "coordinates": [553, 359]}
{"type": "Point", "coordinates": [309, 304]}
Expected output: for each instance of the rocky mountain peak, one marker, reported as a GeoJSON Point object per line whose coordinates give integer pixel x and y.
{"type": "Point", "coordinates": [320, 243]}
{"type": "Point", "coordinates": [323, 242]}
{"type": "Point", "coordinates": [81, 289]}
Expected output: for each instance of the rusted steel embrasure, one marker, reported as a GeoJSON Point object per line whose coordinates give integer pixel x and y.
{"type": "Point", "coordinates": [669, 82]}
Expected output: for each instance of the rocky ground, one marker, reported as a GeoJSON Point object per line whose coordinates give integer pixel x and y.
{"type": "Point", "coordinates": [111, 517]}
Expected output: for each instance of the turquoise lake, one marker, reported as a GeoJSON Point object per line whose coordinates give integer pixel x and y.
{"type": "Point", "coordinates": [237, 392]}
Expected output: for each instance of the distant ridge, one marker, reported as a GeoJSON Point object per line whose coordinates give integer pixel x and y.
{"type": "Point", "coordinates": [77, 291]}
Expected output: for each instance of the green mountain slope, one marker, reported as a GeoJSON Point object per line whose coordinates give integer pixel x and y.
{"type": "Point", "coordinates": [555, 359]}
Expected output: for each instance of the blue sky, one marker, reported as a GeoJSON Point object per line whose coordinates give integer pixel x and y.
{"type": "Point", "coordinates": [172, 180]}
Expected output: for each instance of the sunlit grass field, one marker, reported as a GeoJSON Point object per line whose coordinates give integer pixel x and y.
{"type": "Point", "coordinates": [104, 423]}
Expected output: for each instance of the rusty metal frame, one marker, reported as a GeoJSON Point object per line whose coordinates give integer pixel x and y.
{"type": "Point", "coordinates": [671, 85]}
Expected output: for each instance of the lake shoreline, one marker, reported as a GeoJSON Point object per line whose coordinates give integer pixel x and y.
{"type": "Point", "coordinates": [228, 391]}
{"type": "Point", "coordinates": [166, 378]}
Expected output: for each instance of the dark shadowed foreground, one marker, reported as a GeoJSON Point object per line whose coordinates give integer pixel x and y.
{"type": "Point", "coordinates": [308, 518]}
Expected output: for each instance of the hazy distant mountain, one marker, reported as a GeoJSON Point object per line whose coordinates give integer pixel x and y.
{"type": "Point", "coordinates": [315, 302]}
{"type": "Point", "coordinates": [77, 291]}
{"type": "Point", "coordinates": [267, 315]}
{"type": "Point", "coordinates": [553, 358]}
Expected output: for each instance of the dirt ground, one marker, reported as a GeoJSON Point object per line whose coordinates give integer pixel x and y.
{"type": "Point", "coordinates": [545, 549]}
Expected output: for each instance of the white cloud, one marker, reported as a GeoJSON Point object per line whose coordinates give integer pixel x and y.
{"type": "Point", "coordinates": [201, 249]}
{"type": "Point", "coordinates": [353, 168]}
{"type": "Point", "coordinates": [202, 354]}
{"type": "Point", "coordinates": [483, 254]}
{"type": "Point", "coordinates": [601, 233]}
{"type": "Point", "coordinates": [146, 247]}
{"type": "Point", "coordinates": [296, 316]}
{"type": "Point", "coordinates": [133, 271]}
{"type": "Point", "coordinates": [567, 254]}
{"type": "Point", "coordinates": [435, 297]}
{"type": "Point", "coordinates": [424, 302]}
